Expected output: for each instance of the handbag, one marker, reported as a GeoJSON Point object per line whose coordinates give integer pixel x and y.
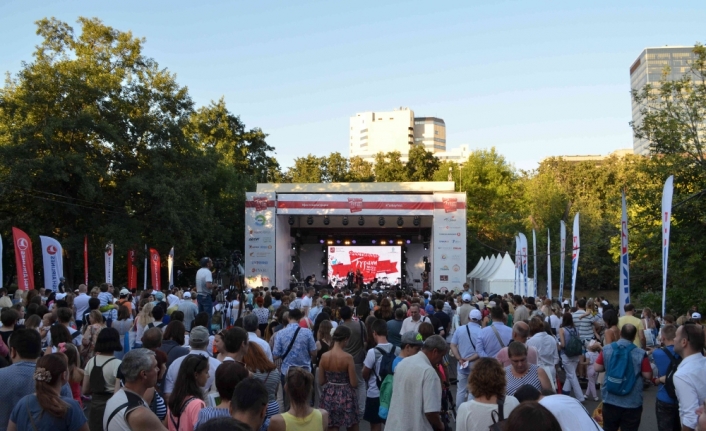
{"type": "Point", "coordinates": [498, 424]}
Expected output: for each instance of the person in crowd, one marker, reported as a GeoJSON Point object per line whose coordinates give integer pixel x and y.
{"type": "Point", "coordinates": [690, 378]}
{"type": "Point", "coordinates": [356, 347]}
{"type": "Point", "coordinates": [624, 411]}
{"type": "Point", "coordinates": [415, 318]}
{"type": "Point", "coordinates": [568, 411]}
{"type": "Point", "coordinates": [520, 334]}
{"type": "Point", "coordinates": [416, 393]}
{"type": "Point", "coordinates": [57, 334]}
{"type": "Point", "coordinates": [198, 342]}
{"type": "Point", "coordinates": [223, 423]}
{"type": "Point", "coordinates": [81, 305]}
{"type": "Point", "coordinates": [464, 310]}
{"type": "Point", "coordinates": [394, 327]}
{"type": "Point", "coordinates": [531, 416]}
{"type": "Point", "coordinates": [385, 311]}
{"type": "Point", "coordinates": [316, 310]}
{"type": "Point", "coordinates": [189, 309]}
{"type": "Point", "coordinates": [371, 373]}
{"type": "Point", "coordinates": [8, 318]}
{"type": "Point", "coordinates": [249, 404]}
{"type": "Point", "coordinates": [100, 377]}
{"type": "Point", "coordinates": [173, 342]}
{"type": "Point", "coordinates": [521, 312]}
{"type": "Point", "coordinates": [64, 316]}
{"type": "Point", "coordinates": [152, 339]}
{"type": "Point", "coordinates": [204, 285]}
{"type": "Point", "coordinates": [338, 380]}
{"type": "Point", "coordinates": [612, 332]}
{"type": "Point", "coordinates": [323, 340]}
{"type": "Point", "coordinates": [261, 313]}
{"type": "Point", "coordinates": [666, 407]}
{"type": "Point", "coordinates": [650, 327]}
{"type": "Point", "coordinates": [494, 337]}
{"type": "Point", "coordinates": [228, 375]}
{"type": "Point", "coordinates": [263, 369]}
{"type": "Point", "coordinates": [17, 380]}
{"type": "Point", "coordinates": [250, 324]}
{"type": "Point", "coordinates": [487, 385]}
{"type": "Point", "coordinates": [158, 316]}
{"type": "Point", "coordinates": [546, 345]}
{"type": "Point", "coordinates": [127, 410]}
{"type": "Point", "coordinates": [463, 346]}
{"type": "Point", "coordinates": [570, 363]}
{"type": "Point", "coordinates": [94, 325]}
{"type": "Point", "coordinates": [593, 350]}
{"type": "Point", "coordinates": [520, 372]}
{"type": "Point", "coordinates": [187, 398]}
{"type": "Point", "coordinates": [201, 319]}
{"type": "Point", "coordinates": [123, 325]}
{"type": "Point", "coordinates": [629, 317]}
{"type": "Point", "coordinates": [587, 324]}
{"type": "Point", "coordinates": [75, 373]}
{"type": "Point", "coordinates": [144, 318]}
{"type": "Point", "coordinates": [301, 416]}
{"type": "Point", "coordinates": [46, 409]}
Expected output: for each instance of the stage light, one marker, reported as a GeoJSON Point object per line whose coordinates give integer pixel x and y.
{"type": "Point", "coordinates": [345, 220]}
{"type": "Point", "coordinates": [416, 221]}
{"type": "Point", "coordinates": [338, 241]}
{"type": "Point", "coordinates": [310, 220]}
{"type": "Point", "coordinates": [400, 221]}
{"type": "Point", "coordinates": [400, 242]}
{"type": "Point", "coordinates": [381, 221]}
{"type": "Point", "coordinates": [326, 220]}
{"type": "Point", "coordinates": [294, 246]}
{"type": "Point", "coordinates": [409, 241]}
{"type": "Point", "coordinates": [291, 220]}
{"type": "Point", "coordinates": [294, 259]}
{"type": "Point", "coordinates": [361, 221]}
{"type": "Point", "coordinates": [323, 261]}
{"type": "Point", "coordinates": [353, 241]}
{"type": "Point", "coordinates": [321, 241]}
{"type": "Point", "coordinates": [346, 242]}
{"type": "Point", "coordinates": [426, 246]}
{"type": "Point", "coordinates": [373, 241]}
{"type": "Point", "coordinates": [383, 242]}
{"type": "Point", "coordinates": [329, 242]}
{"type": "Point", "coordinates": [323, 249]}
{"type": "Point", "coordinates": [425, 259]}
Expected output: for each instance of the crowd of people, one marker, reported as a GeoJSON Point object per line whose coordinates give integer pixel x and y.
{"type": "Point", "coordinates": [302, 359]}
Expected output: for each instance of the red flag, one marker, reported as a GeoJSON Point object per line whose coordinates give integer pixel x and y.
{"type": "Point", "coordinates": [23, 259]}
{"type": "Point", "coordinates": [85, 260]}
{"type": "Point", "coordinates": [155, 266]}
{"type": "Point", "coordinates": [131, 270]}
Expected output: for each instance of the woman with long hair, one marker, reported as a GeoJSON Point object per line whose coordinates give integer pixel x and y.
{"type": "Point", "coordinates": [75, 372]}
{"type": "Point", "coordinates": [58, 334]}
{"type": "Point", "coordinates": [263, 369]}
{"type": "Point", "coordinates": [46, 409]}
{"type": "Point", "coordinates": [317, 323]}
{"type": "Point", "coordinates": [144, 318]}
{"type": "Point", "coordinates": [301, 415]}
{"type": "Point", "coordinates": [186, 399]}
{"type": "Point", "coordinates": [123, 325]}
{"type": "Point", "coordinates": [90, 334]}
{"type": "Point", "coordinates": [371, 343]}
{"type": "Point", "coordinates": [570, 363]}
{"type": "Point", "coordinates": [650, 327]}
{"type": "Point", "coordinates": [612, 333]}
{"type": "Point", "coordinates": [385, 311]}
{"type": "Point", "coordinates": [338, 383]}
{"type": "Point", "coordinates": [173, 341]}
{"type": "Point", "coordinates": [228, 375]}
{"type": "Point", "coordinates": [100, 376]}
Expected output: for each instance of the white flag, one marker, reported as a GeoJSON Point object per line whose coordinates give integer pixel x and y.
{"type": "Point", "coordinates": [523, 256]}
{"type": "Point", "coordinates": [534, 252]}
{"type": "Point", "coordinates": [170, 267]}
{"type": "Point", "coordinates": [53, 262]}
{"type": "Point", "coordinates": [666, 219]}
{"type": "Point", "coordinates": [624, 290]}
{"type": "Point", "coordinates": [518, 263]}
{"type": "Point", "coordinates": [109, 252]}
{"type": "Point", "coordinates": [1, 276]}
{"type": "Point", "coordinates": [562, 259]}
{"type": "Point", "coordinates": [575, 257]}
{"type": "Point", "coordinates": [549, 266]}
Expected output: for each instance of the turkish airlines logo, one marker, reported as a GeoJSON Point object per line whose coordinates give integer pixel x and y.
{"type": "Point", "coordinates": [155, 257]}
{"type": "Point", "coordinates": [109, 251]}
{"type": "Point", "coordinates": [22, 244]}
{"type": "Point", "coordinates": [52, 250]}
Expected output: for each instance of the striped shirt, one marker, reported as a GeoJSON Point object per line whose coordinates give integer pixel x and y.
{"type": "Point", "coordinates": [208, 413]}
{"type": "Point", "coordinates": [515, 383]}
{"type": "Point", "coordinates": [584, 325]}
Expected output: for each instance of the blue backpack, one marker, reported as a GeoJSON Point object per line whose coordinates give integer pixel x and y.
{"type": "Point", "coordinates": [620, 374]}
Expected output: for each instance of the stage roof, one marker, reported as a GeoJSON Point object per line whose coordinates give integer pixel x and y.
{"type": "Point", "coordinates": [425, 187]}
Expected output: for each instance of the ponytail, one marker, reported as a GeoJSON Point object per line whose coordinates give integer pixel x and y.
{"type": "Point", "coordinates": [47, 373]}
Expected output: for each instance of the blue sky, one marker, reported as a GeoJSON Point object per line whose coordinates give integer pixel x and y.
{"type": "Point", "coordinates": [531, 78]}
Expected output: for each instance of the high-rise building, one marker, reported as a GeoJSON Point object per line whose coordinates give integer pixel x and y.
{"type": "Point", "coordinates": [648, 69]}
{"type": "Point", "coordinates": [374, 132]}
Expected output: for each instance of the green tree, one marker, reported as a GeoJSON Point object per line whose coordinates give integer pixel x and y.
{"type": "Point", "coordinates": [309, 169]}
{"type": "Point", "coordinates": [389, 167]}
{"type": "Point", "coordinates": [336, 168]}
{"type": "Point", "coordinates": [361, 171]}
{"type": "Point", "coordinates": [421, 164]}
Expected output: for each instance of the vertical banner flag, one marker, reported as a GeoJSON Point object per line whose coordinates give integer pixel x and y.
{"type": "Point", "coordinates": [131, 269]}
{"type": "Point", "coordinates": [575, 257]}
{"type": "Point", "coordinates": [23, 259]}
{"type": "Point", "coordinates": [146, 256]}
{"type": "Point", "coordinates": [155, 265]}
{"type": "Point", "coordinates": [562, 259]}
{"type": "Point", "coordinates": [624, 294]}
{"type": "Point", "coordinates": [549, 266]}
{"type": "Point", "coordinates": [518, 262]}
{"type": "Point", "coordinates": [52, 256]}
{"type": "Point", "coordinates": [170, 267]}
{"type": "Point", "coordinates": [109, 252]}
{"type": "Point", "coordinates": [666, 219]}
{"type": "Point", "coordinates": [534, 252]}
{"type": "Point", "coordinates": [85, 260]}
{"type": "Point", "coordinates": [1, 275]}
{"type": "Point", "coordinates": [523, 256]}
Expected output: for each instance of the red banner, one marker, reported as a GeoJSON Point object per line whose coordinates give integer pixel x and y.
{"type": "Point", "coordinates": [85, 260]}
{"type": "Point", "coordinates": [23, 259]}
{"type": "Point", "coordinates": [155, 266]}
{"type": "Point", "coordinates": [131, 269]}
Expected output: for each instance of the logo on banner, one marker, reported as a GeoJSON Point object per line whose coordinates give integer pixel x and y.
{"type": "Point", "coordinates": [52, 250]}
{"type": "Point", "coordinates": [155, 257]}
{"type": "Point", "coordinates": [355, 204]}
{"type": "Point", "coordinates": [260, 203]}
{"type": "Point", "coordinates": [443, 278]}
{"type": "Point", "coordinates": [260, 220]}
{"type": "Point", "coordinates": [254, 239]}
{"type": "Point", "coordinates": [444, 268]}
{"type": "Point", "coordinates": [109, 251]}
{"type": "Point", "coordinates": [443, 257]}
{"type": "Point", "coordinates": [456, 268]}
{"type": "Point", "coordinates": [450, 204]}
{"type": "Point", "coordinates": [452, 218]}
{"type": "Point", "coordinates": [22, 244]}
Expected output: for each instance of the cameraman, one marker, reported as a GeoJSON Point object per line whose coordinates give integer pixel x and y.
{"type": "Point", "coordinates": [204, 285]}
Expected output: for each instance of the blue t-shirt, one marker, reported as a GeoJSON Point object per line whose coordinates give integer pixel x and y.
{"type": "Point", "coordinates": [662, 362]}
{"type": "Point", "coordinates": [72, 421]}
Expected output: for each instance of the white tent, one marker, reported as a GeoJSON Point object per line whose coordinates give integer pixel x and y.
{"type": "Point", "coordinates": [480, 263]}
{"type": "Point", "coordinates": [496, 275]}
{"type": "Point", "coordinates": [486, 269]}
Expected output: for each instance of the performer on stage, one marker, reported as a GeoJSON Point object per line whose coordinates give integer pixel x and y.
{"type": "Point", "coordinates": [350, 277]}
{"type": "Point", "coordinates": [359, 279]}
{"type": "Point", "coordinates": [425, 280]}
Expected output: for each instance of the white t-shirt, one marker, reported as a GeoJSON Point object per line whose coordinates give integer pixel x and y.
{"type": "Point", "coordinates": [81, 305]}
{"type": "Point", "coordinates": [306, 301]}
{"type": "Point", "coordinates": [416, 390]}
{"type": "Point", "coordinates": [372, 361]}
{"type": "Point", "coordinates": [570, 413]}
{"type": "Point", "coordinates": [203, 276]}
{"type": "Point", "coordinates": [475, 416]}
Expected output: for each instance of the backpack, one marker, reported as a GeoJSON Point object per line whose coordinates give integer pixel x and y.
{"type": "Point", "coordinates": [386, 396]}
{"type": "Point", "coordinates": [674, 362]}
{"type": "Point", "coordinates": [620, 375]}
{"type": "Point", "coordinates": [385, 364]}
{"type": "Point", "coordinates": [573, 346]}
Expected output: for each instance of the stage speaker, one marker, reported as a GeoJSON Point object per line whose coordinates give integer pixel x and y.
{"type": "Point", "coordinates": [291, 220]}
{"type": "Point", "coordinates": [345, 221]}
{"type": "Point", "coordinates": [400, 221]}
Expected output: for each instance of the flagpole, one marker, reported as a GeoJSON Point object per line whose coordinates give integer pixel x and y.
{"type": "Point", "coordinates": [145, 285]}
{"type": "Point", "coordinates": [667, 193]}
{"type": "Point", "coordinates": [549, 266]}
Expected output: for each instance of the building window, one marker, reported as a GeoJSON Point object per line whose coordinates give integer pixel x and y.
{"type": "Point", "coordinates": [436, 132]}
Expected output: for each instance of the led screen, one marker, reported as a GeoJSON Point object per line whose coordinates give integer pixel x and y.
{"type": "Point", "coordinates": [381, 262]}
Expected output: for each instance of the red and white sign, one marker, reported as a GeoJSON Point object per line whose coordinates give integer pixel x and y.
{"type": "Point", "coordinates": [53, 262]}
{"type": "Point", "coordinates": [372, 261]}
{"type": "Point", "coordinates": [23, 259]}
{"type": "Point", "coordinates": [155, 266]}
{"type": "Point", "coordinates": [412, 205]}
{"type": "Point", "coordinates": [449, 238]}
{"type": "Point", "coordinates": [109, 249]}
{"type": "Point", "coordinates": [131, 269]}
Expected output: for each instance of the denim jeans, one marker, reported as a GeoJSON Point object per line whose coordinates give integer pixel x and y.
{"type": "Point", "coordinates": [462, 394]}
{"type": "Point", "coordinates": [206, 304]}
{"type": "Point", "coordinates": [667, 416]}
{"type": "Point", "coordinates": [622, 418]}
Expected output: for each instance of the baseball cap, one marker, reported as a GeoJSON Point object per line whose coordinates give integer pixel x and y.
{"type": "Point", "coordinates": [60, 296]}
{"type": "Point", "coordinates": [412, 337]}
{"type": "Point", "coordinates": [466, 297]}
{"type": "Point", "coordinates": [491, 304]}
{"type": "Point", "coordinates": [198, 335]}
{"type": "Point", "coordinates": [693, 315]}
{"type": "Point", "coordinates": [124, 292]}
{"type": "Point", "coordinates": [475, 315]}
{"type": "Point", "coordinates": [187, 295]}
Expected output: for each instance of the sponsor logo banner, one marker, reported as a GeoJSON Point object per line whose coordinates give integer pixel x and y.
{"type": "Point", "coordinates": [449, 227]}
{"type": "Point", "coordinates": [52, 257]}
{"type": "Point", "coordinates": [260, 239]}
{"type": "Point", "coordinates": [23, 259]}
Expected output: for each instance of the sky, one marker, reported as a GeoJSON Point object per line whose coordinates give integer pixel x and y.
{"type": "Point", "coordinates": [531, 78]}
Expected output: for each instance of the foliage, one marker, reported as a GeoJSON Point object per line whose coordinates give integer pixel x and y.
{"type": "Point", "coordinates": [421, 164]}
{"type": "Point", "coordinates": [389, 167]}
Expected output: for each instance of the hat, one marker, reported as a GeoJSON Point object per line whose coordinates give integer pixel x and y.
{"type": "Point", "coordinates": [412, 337]}
{"type": "Point", "coordinates": [466, 297]}
{"type": "Point", "coordinates": [475, 315]}
{"type": "Point", "coordinates": [427, 293]}
{"type": "Point", "coordinates": [124, 292]}
{"type": "Point", "coordinates": [604, 302]}
{"type": "Point", "coordinates": [187, 295]}
{"type": "Point", "coordinates": [693, 315]}
{"type": "Point", "coordinates": [159, 296]}
{"type": "Point", "coordinates": [60, 296]}
{"type": "Point", "coordinates": [198, 335]}
{"type": "Point", "coordinates": [491, 304]}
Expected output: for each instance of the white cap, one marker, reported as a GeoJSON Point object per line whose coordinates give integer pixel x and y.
{"type": "Point", "coordinates": [187, 295]}
{"type": "Point", "coordinates": [604, 302]}
{"type": "Point", "coordinates": [60, 296]}
{"type": "Point", "coordinates": [475, 315]}
{"type": "Point", "coordinates": [466, 297]}
{"type": "Point", "coordinates": [693, 315]}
